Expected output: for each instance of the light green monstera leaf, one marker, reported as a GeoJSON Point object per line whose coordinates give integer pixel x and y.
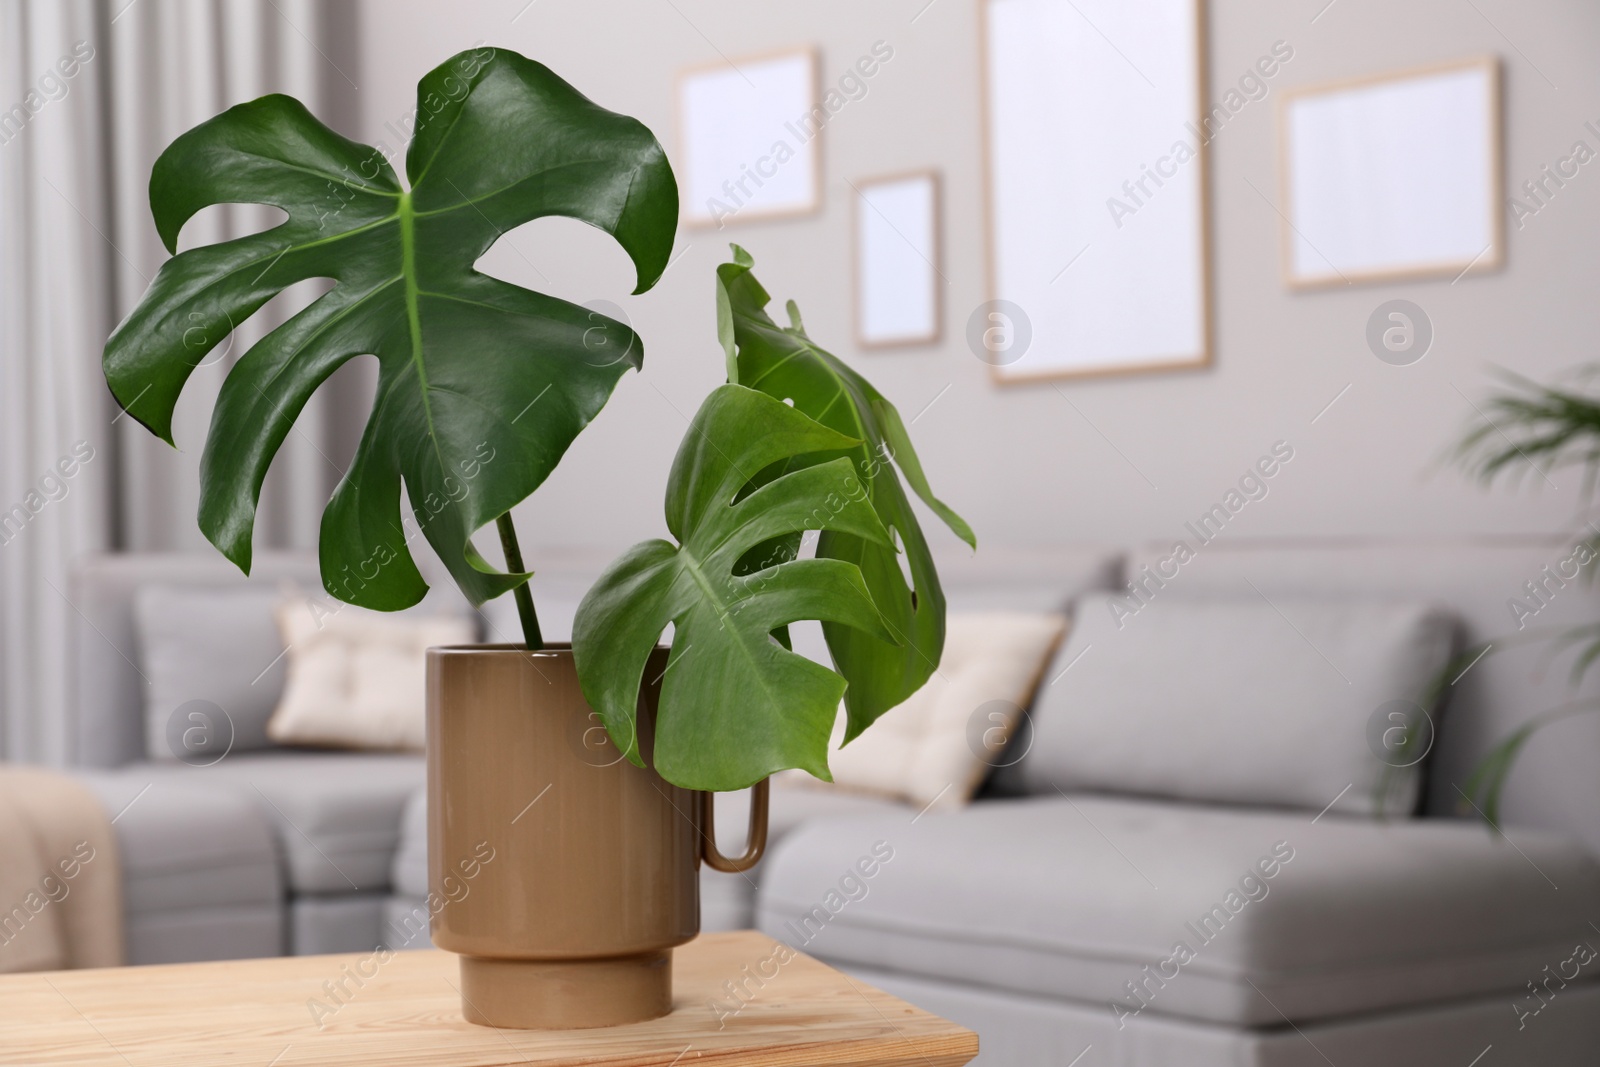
{"type": "Point", "coordinates": [786, 364]}
{"type": "Point", "coordinates": [482, 385]}
{"type": "Point", "coordinates": [735, 705]}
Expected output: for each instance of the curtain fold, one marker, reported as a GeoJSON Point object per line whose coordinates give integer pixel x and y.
{"type": "Point", "coordinates": [91, 91]}
{"type": "Point", "coordinates": [56, 432]}
{"type": "Point", "coordinates": [176, 63]}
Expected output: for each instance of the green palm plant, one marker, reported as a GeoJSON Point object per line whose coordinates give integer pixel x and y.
{"type": "Point", "coordinates": [1528, 428]}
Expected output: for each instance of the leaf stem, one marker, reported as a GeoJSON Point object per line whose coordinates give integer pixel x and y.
{"type": "Point", "coordinates": [523, 595]}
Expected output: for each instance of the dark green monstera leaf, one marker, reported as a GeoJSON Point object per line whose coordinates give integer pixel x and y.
{"type": "Point", "coordinates": [784, 363]}
{"type": "Point", "coordinates": [735, 706]}
{"type": "Point", "coordinates": [482, 385]}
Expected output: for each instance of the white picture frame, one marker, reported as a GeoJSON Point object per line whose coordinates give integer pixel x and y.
{"type": "Point", "coordinates": [1079, 99]}
{"type": "Point", "coordinates": [897, 253]}
{"type": "Point", "coordinates": [1393, 176]}
{"type": "Point", "coordinates": [750, 139]}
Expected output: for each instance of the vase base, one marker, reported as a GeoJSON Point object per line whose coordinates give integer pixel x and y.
{"type": "Point", "coordinates": [565, 994]}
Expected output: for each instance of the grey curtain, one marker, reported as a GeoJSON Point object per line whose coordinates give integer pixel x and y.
{"type": "Point", "coordinates": [90, 93]}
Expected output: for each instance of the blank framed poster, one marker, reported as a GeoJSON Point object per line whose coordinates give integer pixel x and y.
{"type": "Point", "coordinates": [750, 138]}
{"type": "Point", "coordinates": [1395, 176]}
{"type": "Point", "coordinates": [1097, 187]}
{"type": "Point", "coordinates": [897, 257]}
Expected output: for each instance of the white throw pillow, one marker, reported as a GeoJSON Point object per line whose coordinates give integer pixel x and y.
{"type": "Point", "coordinates": [1238, 700]}
{"type": "Point", "coordinates": [356, 678]}
{"type": "Point", "coordinates": [935, 749]}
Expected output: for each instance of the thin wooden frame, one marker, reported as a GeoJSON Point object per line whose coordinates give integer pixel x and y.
{"type": "Point", "coordinates": [1490, 66]}
{"type": "Point", "coordinates": [1205, 358]}
{"type": "Point", "coordinates": [814, 94]}
{"type": "Point", "coordinates": [936, 230]}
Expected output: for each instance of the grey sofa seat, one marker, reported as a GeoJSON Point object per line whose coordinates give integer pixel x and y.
{"type": "Point", "coordinates": [336, 815]}
{"type": "Point", "coordinates": [1030, 1030]}
{"type": "Point", "coordinates": [728, 901]}
{"type": "Point", "coordinates": [1085, 899]}
{"type": "Point", "coordinates": [199, 868]}
{"type": "Point", "coordinates": [405, 914]}
{"type": "Point", "coordinates": [409, 873]}
{"type": "Point", "coordinates": [319, 924]}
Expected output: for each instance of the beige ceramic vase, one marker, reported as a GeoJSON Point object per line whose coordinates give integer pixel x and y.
{"type": "Point", "coordinates": [561, 873]}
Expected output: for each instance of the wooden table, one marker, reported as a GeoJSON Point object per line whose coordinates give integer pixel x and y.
{"type": "Point", "coordinates": [292, 1012]}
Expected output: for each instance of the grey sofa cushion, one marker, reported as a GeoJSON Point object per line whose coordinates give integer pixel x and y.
{"type": "Point", "coordinates": [728, 901]}
{"type": "Point", "coordinates": [1017, 1029]}
{"type": "Point", "coordinates": [409, 874]}
{"type": "Point", "coordinates": [212, 646]}
{"type": "Point", "coordinates": [1082, 898]}
{"type": "Point", "coordinates": [336, 815]}
{"type": "Point", "coordinates": [1238, 700]}
{"type": "Point", "coordinates": [405, 923]}
{"type": "Point", "coordinates": [199, 869]}
{"type": "Point", "coordinates": [106, 696]}
{"type": "Point", "coordinates": [219, 932]}
{"type": "Point", "coordinates": [1482, 578]}
{"type": "Point", "coordinates": [345, 922]}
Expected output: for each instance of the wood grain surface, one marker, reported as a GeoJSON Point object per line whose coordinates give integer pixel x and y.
{"type": "Point", "coordinates": [738, 998]}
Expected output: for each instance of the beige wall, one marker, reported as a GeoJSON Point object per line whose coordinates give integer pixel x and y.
{"type": "Point", "coordinates": [1037, 464]}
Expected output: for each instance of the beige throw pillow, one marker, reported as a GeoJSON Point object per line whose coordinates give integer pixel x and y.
{"type": "Point", "coordinates": [935, 749]}
{"type": "Point", "coordinates": [356, 678]}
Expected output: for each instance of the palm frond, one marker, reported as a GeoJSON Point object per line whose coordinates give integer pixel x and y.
{"type": "Point", "coordinates": [1528, 422]}
{"type": "Point", "coordinates": [1525, 429]}
{"type": "Point", "coordinates": [1487, 781]}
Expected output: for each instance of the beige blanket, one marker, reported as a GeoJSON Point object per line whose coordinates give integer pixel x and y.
{"type": "Point", "coordinates": [60, 882]}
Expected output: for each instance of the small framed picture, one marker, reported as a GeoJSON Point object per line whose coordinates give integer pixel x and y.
{"type": "Point", "coordinates": [750, 139]}
{"type": "Point", "coordinates": [1393, 176]}
{"type": "Point", "coordinates": [898, 278]}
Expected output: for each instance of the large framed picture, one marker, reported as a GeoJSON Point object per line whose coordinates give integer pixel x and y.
{"type": "Point", "coordinates": [1096, 187]}
{"type": "Point", "coordinates": [750, 139]}
{"type": "Point", "coordinates": [1393, 176]}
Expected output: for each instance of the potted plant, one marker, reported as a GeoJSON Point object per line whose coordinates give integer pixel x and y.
{"type": "Point", "coordinates": [594, 884]}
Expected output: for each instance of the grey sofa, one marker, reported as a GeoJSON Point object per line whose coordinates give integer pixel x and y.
{"type": "Point", "coordinates": [271, 850]}
{"type": "Point", "coordinates": [1032, 913]}
{"type": "Point", "coordinates": [1050, 921]}
{"type": "Point", "coordinates": [263, 851]}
